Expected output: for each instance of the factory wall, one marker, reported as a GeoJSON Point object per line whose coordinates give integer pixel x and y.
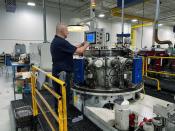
{"type": "Point", "coordinates": [113, 27]}
{"type": "Point", "coordinates": [116, 28]}
{"type": "Point", "coordinates": [165, 33]}
{"type": "Point", "coordinates": [26, 26]}
{"type": "Point", "coordinates": [106, 24]}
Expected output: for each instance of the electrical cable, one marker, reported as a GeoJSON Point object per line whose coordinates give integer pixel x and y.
{"type": "Point", "coordinates": [142, 24]}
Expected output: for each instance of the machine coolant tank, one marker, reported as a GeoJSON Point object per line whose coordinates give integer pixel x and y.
{"type": "Point", "coordinates": [122, 114]}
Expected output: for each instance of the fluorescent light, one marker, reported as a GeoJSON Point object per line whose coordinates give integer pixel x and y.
{"type": "Point", "coordinates": [76, 28]}
{"type": "Point", "coordinates": [30, 3]}
{"type": "Point", "coordinates": [134, 20]}
{"type": "Point", "coordinates": [101, 15]}
{"type": "Point", "coordinates": [160, 24]}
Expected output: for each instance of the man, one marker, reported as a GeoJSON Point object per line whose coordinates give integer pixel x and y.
{"type": "Point", "coordinates": [62, 57]}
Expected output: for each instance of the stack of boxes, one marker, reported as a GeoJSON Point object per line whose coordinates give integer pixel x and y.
{"type": "Point", "coordinates": [137, 70]}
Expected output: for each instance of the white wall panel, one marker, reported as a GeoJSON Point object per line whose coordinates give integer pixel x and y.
{"type": "Point", "coordinates": [26, 26]}
{"type": "Point", "coordinates": [116, 29]}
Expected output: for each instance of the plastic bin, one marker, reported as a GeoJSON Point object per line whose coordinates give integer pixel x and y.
{"type": "Point", "coordinates": [23, 117]}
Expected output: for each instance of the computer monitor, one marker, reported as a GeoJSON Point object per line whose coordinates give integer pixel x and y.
{"type": "Point", "coordinates": [91, 37]}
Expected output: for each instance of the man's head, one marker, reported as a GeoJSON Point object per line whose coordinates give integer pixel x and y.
{"type": "Point", "coordinates": [61, 30]}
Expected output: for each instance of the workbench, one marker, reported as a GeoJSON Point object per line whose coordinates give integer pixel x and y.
{"type": "Point", "coordinates": [14, 70]}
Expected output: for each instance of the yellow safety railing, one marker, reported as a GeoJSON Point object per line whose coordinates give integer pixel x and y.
{"type": "Point", "coordinates": [146, 71]}
{"type": "Point", "coordinates": [61, 118]}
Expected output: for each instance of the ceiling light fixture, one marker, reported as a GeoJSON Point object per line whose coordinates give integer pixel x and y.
{"type": "Point", "coordinates": [160, 24]}
{"type": "Point", "coordinates": [76, 28]}
{"type": "Point", "coordinates": [31, 4]}
{"type": "Point", "coordinates": [101, 15]}
{"type": "Point", "coordinates": [134, 20]}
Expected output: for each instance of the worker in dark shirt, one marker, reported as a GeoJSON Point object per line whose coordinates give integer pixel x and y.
{"type": "Point", "coordinates": [62, 57]}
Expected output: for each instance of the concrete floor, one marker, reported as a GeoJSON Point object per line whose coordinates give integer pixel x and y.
{"type": "Point", "coordinates": [6, 95]}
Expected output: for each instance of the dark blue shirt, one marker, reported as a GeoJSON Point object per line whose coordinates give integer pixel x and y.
{"type": "Point", "coordinates": [62, 54]}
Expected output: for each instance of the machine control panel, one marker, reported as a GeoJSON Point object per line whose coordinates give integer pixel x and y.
{"type": "Point", "coordinates": [95, 38]}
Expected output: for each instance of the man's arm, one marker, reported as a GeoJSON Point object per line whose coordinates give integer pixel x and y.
{"type": "Point", "coordinates": [82, 48]}
{"type": "Point", "coordinates": [79, 45]}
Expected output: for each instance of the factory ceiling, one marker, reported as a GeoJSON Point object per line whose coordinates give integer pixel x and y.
{"type": "Point", "coordinates": [146, 9]}
{"type": "Point", "coordinates": [167, 10]}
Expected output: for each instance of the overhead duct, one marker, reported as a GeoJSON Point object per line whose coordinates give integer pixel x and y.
{"type": "Point", "coordinates": [156, 39]}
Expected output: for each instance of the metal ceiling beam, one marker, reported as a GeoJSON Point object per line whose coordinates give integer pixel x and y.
{"type": "Point", "coordinates": [116, 12]}
{"type": "Point", "coordinates": [116, 9]}
{"type": "Point", "coordinates": [85, 5]}
{"type": "Point", "coordinates": [141, 25]}
{"type": "Point", "coordinates": [133, 17]}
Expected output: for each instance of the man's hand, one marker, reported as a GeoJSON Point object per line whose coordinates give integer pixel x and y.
{"type": "Point", "coordinates": [79, 45]}
{"type": "Point", "coordinates": [82, 48]}
{"type": "Point", "coordinates": [82, 44]}
{"type": "Point", "coordinates": [85, 43]}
